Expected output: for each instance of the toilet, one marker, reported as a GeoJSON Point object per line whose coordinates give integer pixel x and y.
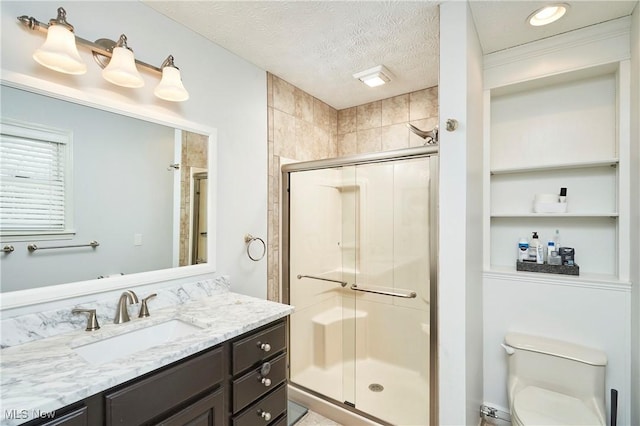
{"type": "Point", "coordinates": [554, 383]}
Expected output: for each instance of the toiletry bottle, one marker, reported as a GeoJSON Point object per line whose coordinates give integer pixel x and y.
{"type": "Point", "coordinates": [539, 253]}
{"type": "Point", "coordinates": [533, 247]}
{"type": "Point", "coordinates": [551, 247]}
{"type": "Point", "coordinates": [556, 240]}
{"type": "Point", "coordinates": [523, 250]}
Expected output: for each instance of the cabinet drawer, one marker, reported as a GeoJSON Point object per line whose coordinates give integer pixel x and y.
{"type": "Point", "coordinates": [249, 387]}
{"type": "Point", "coordinates": [270, 407]}
{"type": "Point", "coordinates": [282, 421]}
{"type": "Point", "coordinates": [143, 400]}
{"type": "Point", "coordinates": [251, 350]}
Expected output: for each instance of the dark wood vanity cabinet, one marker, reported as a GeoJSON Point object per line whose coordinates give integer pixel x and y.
{"type": "Point", "coordinates": [241, 382]}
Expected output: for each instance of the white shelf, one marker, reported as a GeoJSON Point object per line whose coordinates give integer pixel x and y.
{"type": "Point", "coordinates": [560, 166]}
{"type": "Point", "coordinates": [587, 279]}
{"type": "Point", "coordinates": [544, 215]}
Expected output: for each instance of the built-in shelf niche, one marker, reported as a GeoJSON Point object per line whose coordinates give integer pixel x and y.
{"type": "Point", "coordinates": [546, 134]}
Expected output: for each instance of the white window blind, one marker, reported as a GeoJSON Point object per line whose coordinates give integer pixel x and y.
{"type": "Point", "coordinates": [33, 179]}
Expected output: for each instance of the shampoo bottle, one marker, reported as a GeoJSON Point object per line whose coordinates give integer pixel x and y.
{"type": "Point", "coordinates": [533, 247]}
{"type": "Point", "coordinates": [539, 253]}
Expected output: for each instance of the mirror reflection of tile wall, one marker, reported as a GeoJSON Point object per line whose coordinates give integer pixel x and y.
{"type": "Point", "coordinates": [303, 128]}
{"type": "Point", "coordinates": [194, 156]}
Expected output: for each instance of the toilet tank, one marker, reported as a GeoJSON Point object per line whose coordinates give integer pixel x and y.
{"type": "Point", "coordinates": [559, 366]}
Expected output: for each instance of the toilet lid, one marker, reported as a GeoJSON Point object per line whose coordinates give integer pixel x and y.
{"type": "Point", "coordinates": [538, 406]}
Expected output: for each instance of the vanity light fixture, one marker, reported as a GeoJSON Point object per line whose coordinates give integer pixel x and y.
{"type": "Point", "coordinates": [171, 87]}
{"type": "Point", "coordinates": [59, 53]}
{"type": "Point", "coordinates": [121, 69]}
{"type": "Point", "coordinates": [375, 76]}
{"type": "Point", "coordinates": [547, 14]}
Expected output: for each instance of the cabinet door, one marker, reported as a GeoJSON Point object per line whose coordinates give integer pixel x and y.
{"type": "Point", "coordinates": [75, 418]}
{"type": "Point", "coordinates": [158, 393]}
{"type": "Point", "coordinates": [206, 412]}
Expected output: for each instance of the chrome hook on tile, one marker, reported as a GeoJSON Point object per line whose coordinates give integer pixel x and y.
{"type": "Point", "coordinates": [430, 137]}
{"type": "Point", "coordinates": [249, 239]}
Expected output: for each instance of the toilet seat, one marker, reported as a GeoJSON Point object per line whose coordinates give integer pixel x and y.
{"type": "Point", "coordinates": [538, 406]}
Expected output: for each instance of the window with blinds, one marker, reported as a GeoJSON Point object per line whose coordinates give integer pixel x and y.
{"type": "Point", "coordinates": [34, 180]}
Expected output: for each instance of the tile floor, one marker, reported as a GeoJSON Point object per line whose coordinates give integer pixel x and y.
{"type": "Point", "coordinates": [315, 419]}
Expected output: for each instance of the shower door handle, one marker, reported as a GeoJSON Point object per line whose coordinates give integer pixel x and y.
{"type": "Point", "coordinates": [342, 283]}
{"type": "Point", "coordinates": [407, 294]}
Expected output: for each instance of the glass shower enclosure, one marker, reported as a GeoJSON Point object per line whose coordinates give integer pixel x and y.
{"type": "Point", "coordinates": [359, 265]}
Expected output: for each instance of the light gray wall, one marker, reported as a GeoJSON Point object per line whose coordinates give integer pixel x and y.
{"type": "Point", "coordinates": [227, 93]}
{"type": "Point", "coordinates": [635, 216]}
{"type": "Point", "coordinates": [473, 283]}
{"type": "Point", "coordinates": [121, 187]}
{"type": "Point", "coordinates": [460, 247]}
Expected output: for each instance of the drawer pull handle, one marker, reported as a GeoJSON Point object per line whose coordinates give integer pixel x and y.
{"type": "Point", "coordinates": [265, 369]}
{"type": "Point", "coordinates": [264, 346]}
{"type": "Point", "coordinates": [265, 415]}
{"type": "Point", "coordinates": [266, 382]}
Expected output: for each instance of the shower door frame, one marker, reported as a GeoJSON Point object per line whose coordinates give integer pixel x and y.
{"type": "Point", "coordinates": [356, 160]}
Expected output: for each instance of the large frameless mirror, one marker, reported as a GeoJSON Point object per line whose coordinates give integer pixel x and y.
{"type": "Point", "coordinates": [130, 195]}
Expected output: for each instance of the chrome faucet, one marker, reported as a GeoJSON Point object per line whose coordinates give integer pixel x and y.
{"type": "Point", "coordinates": [122, 314]}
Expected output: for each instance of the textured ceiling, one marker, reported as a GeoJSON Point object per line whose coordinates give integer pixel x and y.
{"type": "Point", "coordinates": [318, 45]}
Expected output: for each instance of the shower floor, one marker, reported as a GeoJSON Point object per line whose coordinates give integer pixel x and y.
{"type": "Point", "coordinates": [404, 400]}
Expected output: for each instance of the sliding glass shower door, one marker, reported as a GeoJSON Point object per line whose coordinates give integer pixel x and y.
{"type": "Point", "coordinates": [361, 263]}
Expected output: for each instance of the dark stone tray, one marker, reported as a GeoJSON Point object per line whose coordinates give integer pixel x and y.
{"type": "Point", "coordinates": [548, 269]}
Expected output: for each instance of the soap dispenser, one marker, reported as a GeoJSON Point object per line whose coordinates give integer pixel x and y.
{"type": "Point", "coordinates": [533, 247]}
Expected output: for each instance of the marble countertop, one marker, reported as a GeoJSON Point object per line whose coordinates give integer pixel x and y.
{"type": "Point", "coordinates": [47, 374]}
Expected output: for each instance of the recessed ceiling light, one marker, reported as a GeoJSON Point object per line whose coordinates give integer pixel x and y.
{"type": "Point", "coordinates": [375, 76]}
{"type": "Point", "coordinates": [547, 14]}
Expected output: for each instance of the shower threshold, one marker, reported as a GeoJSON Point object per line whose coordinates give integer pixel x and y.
{"type": "Point", "coordinates": [334, 411]}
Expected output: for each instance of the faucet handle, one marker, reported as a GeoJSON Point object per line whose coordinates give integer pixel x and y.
{"type": "Point", "coordinates": [92, 320]}
{"type": "Point", "coordinates": [144, 309]}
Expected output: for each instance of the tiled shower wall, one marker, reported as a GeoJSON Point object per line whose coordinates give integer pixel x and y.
{"type": "Point", "coordinates": [194, 154]}
{"type": "Point", "coordinates": [303, 128]}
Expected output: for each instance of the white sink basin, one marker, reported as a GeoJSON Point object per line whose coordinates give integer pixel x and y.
{"type": "Point", "coordinates": [120, 346]}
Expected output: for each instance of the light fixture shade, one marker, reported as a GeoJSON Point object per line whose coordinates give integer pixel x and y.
{"type": "Point", "coordinates": [547, 14]}
{"type": "Point", "coordinates": [375, 80]}
{"type": "Point", "coordinates": [59, 52]}
{"type": "Point", "coordinates": [375, 76]}
{"type": "Point", "coordinates": [122, 69]}
{"type": "Point", "coordinates": [171, 87]}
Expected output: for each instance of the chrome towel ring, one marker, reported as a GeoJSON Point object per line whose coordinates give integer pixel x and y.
{"type": "Point", "coordinates": [249, 239]}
